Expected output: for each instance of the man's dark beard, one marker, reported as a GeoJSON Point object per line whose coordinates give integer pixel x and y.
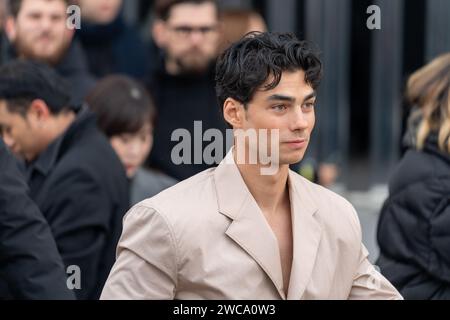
{"type": "Point", "coordinates": [22, 50]}
{"type": "Point", "coordinates": [193, 70]}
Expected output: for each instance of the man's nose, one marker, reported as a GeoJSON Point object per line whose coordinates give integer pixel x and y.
{"type": "Point", "coordinates": [299, 119]}
{"type": "Point", "coordinates": [196, 37]}
{"type": "Point", "coordinates": [46, 24]}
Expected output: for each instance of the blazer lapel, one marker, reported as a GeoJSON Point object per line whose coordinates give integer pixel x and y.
{"type": "Point", "coordinates": [248, 228]}
{"type": "Point", "coordinates": [306, 234]}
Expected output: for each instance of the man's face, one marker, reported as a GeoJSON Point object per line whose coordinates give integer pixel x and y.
{"type": "Point", "coordinates": [190, 37]}
{"type": "Point", "coordinates": [100, 11]}
{"type": "Point", "coordinates": [39, 32]}
{"type": "Point", "coordinates": [19, 133]}
{"type": "Point", "coordinates": [289, 108]}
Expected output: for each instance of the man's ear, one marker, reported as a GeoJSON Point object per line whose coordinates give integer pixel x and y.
{"type": "Point", "coordinates": [10, 28]}
{"type": "Point", "coordinates": [234, 113]}
{"type": "Point", "coordinates": [159, 33]}
{"type": "Point", "coordinates": [38, 112]}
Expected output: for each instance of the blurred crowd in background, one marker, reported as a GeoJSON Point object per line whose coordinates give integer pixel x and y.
{"type": "Point", "coordinates": [89, 114]}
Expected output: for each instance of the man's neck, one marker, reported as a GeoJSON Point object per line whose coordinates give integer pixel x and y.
{"type": "Point", "coordinates": [271, 192]}
{"type": "Point", "coordinates": [54, 129]}
{"type": "Point", "coordinates": [60, 124]}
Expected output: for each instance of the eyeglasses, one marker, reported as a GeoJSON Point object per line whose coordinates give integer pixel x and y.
{"type": "Point", "coordinates": [186, 31]}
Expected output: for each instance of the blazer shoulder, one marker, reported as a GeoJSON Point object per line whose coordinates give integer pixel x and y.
{"type": "Point", "coordinates": [186, 199]}
{"type": "Point", "coordinates": [334, 211]}
{"type": "Point", "coordinates": [321, 195]}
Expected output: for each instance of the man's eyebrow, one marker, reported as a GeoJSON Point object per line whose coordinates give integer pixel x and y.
{"type": "Point", "coordinates": [310, 96]}
{"type": "Point", "coordinates": [280, 97]}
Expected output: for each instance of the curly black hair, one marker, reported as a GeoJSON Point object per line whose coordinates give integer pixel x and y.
{"type": "Point", "coordinates": [247, 64]}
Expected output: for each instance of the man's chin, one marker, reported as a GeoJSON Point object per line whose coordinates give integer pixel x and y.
{"type": "Point", "coordinates": [51, 59]}
{"type": "Point", "coordinates": [194, 67]}
{"type": "Point", "coordinates": [291, 159]}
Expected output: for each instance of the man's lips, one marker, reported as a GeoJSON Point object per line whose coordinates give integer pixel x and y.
{"type": "Point", "coordinates": [299, 140]}
{"type": "Point", "coordinates": [297, 143]}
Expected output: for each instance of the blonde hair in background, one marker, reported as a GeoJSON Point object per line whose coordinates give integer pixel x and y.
{"type": "Point", "coordinates": [429, 90]}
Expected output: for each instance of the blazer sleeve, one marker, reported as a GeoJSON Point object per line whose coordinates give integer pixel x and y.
{"type": "Point", "coordinates": [146, 265]}
{"type": "Point", "coordinates": [369, 284]}
{"type": "Point", "coordinates": [29, 260]}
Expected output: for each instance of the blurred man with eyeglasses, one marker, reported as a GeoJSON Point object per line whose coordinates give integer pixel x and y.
{"type": "Point", "coordinates": [187, 33]}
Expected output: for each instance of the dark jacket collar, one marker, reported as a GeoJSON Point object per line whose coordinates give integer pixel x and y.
{"type": "Point", "coordinates": [73, 62]}
{"type": "Point", "coordinates": [97, 34]}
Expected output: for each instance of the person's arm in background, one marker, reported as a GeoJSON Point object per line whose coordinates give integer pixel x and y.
{"type": "Point", "coordinates": [30, 263]}
{"type": "Point", "coordinates": [80, 217]}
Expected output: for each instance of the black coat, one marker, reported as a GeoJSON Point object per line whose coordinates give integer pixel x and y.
{"type": "Point", "coordinates": [182, 100]}
{"type": "Point", "coordinates": [414, 226]}
{"type": "Point", "coordinates": [115, 48]}
{"type": "Point", "coordinates": [75, 70]}
{"type": "Point", "coordinates": [30, 264]}
{"type": "Point", "coordinates": [81, 188]}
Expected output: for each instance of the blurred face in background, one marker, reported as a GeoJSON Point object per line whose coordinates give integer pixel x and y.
{"type": "Point", "coordinates": [25, 134]}
{"type": "Point", "coordinates": [133, 148]}
{"type": "Point", "coordinates": [2, 13]}
{"type": "Point", "coordinates": [39, 31]}
{"type": "Point", "coordinates": [190, 37]}
{"type": "Point", "coordinates": [100, 11]}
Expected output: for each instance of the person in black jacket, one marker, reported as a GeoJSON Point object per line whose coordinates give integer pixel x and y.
{"type": "Point", "coordinates": [112, 46]}
{"type": "Point", "coordinates": [414, 227]}
{"type": "Point", "coordinates": [74, 175]}
{"type": "Point", "coordinates": [38, 30]}
{"type": "Point", "coordinates": [30, 264]}
{"type": "Point", "coordinates": [183, 84]}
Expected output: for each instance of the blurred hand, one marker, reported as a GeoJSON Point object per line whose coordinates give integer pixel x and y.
{"type": "Point", "coordinates": [327, 174]}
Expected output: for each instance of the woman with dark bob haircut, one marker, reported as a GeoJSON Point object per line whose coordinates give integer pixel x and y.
{"type": "Point", "coordinates": [126, 114]}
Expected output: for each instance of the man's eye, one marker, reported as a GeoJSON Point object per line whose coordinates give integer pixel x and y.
{"type": "Point", "coordinates": [309, 105]}
{"type": "Point", "coordinates": [183, 30]}
{"type": "Point", "coordinates": [280, 107]}
{"type": "Point", "coordinates": [57, 18]}
{"type": "Point", "coordinates": [35, 16]}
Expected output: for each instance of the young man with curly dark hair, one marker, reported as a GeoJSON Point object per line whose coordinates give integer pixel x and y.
{"type": "Point", "coordinates": [236, 232]}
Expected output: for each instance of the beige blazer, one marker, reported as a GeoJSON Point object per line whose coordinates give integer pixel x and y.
{"type": "Point", "coordinates": [206, 238]}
